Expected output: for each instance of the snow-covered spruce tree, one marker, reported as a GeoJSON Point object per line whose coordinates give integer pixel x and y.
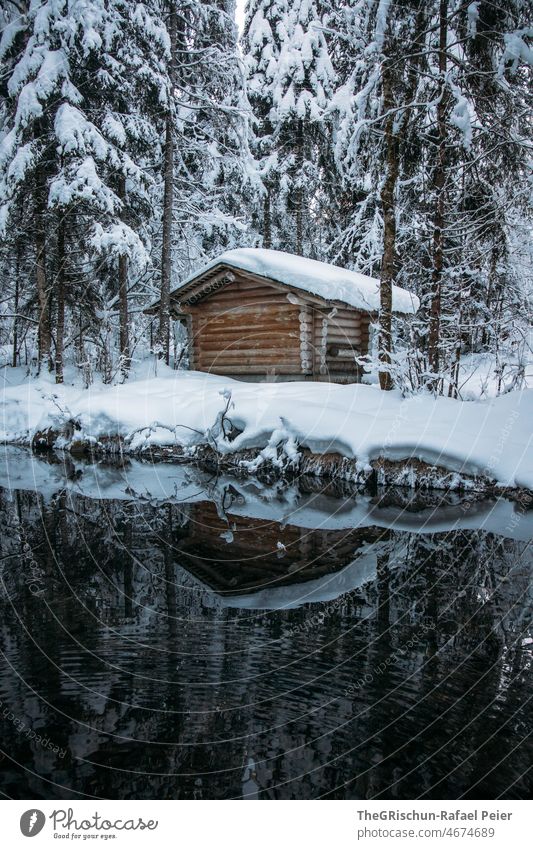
{"type": "Point", "coordinates": [431, 140]}
{"type": "Point", "coordinates": [377, 53]}
{"type": "Point", "coordinates": [261, 49]}
{"type": "Point", "coordinates": [290, 83]}
{"type": "Point", "coordinates": [31, 81]}
{"type": "Point", "coordinates": [132, 106]}
{"type": "Point", "coordinates": [483, 140]}
{"type": "Point", "coordinates": [206, 159]}
{"type": "Point", "coordinates": [76, 121]}
{"type": "Point", "coordinates": [463, 166]}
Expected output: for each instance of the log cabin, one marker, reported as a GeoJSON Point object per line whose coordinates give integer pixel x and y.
{"type": "Point", "coordinates": [254, 572]}
{"type": "Point", "coordinates": [259, 314]}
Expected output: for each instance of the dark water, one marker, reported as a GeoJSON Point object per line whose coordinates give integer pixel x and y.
{"type": "Point", "coordinates": [171, 635]}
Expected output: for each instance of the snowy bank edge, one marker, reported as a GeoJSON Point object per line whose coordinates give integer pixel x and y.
{"type": "Point", "coordinates": [350, 432]}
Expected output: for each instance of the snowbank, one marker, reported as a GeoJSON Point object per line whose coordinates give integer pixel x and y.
{"type": "Point", "coordinates": [489, 439]}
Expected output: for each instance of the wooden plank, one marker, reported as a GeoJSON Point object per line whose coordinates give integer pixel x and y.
{"type": "Point", "coordinates": [239, 306]}
{"type": "Point", "coordinates": [232, 333]}
{"type": "Point", "coordinates": [344, 332]}
{"type": "Point", "coordinates": [244, 283]}
{"type": "Point", "coordinates": [280, 350]}
{"type": "Point", "coordinates": [250, 325]}
{"type": "Point", "coordinates": [283, 287]}
{"type": "Point", "coordinates": [223, 277]}
{"type": "Point", "coordinates": [223, 305]}
{"type": "Point", "coordinates": [231, 318]}
{"type": "Point", "coordinates": [341, 353]}
{"type": "Point", "coordinates": [345, 322]}
{"type": "Point", "coordinates": [250, 367]}
{"type": "Point", "coordinates": [252, 290]}
{"type": "Point", "coordinates": [288, 346]}
{"type": "Point", "coordinates": [190, 333]}
{"type": "Point", "coordinates": [336, 338]}
{"type": "Point", "coordinates": [254, 322]}
{"type": "Point", "coordinates": [345, 329]}
{"type": "Point", "coordinates": [251, 357]}
{"type": "Point", "coordinates": [234, 353]}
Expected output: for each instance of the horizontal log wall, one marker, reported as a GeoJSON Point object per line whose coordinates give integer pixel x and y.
{"type": "Point", "coordinates": [244, 329]}
{"type": "Point", "coordinates": [337, 332]}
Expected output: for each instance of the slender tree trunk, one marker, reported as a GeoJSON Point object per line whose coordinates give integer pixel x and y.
{"type": "Point", "coordinates": [267, 221]}
{"type": "Point", "coordinates": [17, 296]}
{"type": "Point", "coordinates": [60, 288]}
{"type": "Point", "coordinates": [439, 183]}
{"type": "Point", "coordinates": [43, 292]}
{"type": "Point", "coordinates": [124, 319]}
{"type": "Point", "coordinates": [388, 192]}
{"type": "Point", "coordinates": [168, 201]}
{"type": "Point", "coordinates": [453, 388]}
{"type": "Point", "coordinates": [299, 192]}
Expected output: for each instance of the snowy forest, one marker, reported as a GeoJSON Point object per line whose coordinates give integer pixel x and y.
{"type": "Point", "coordinates": [140, 139]}
{"type": "Point", "coordinates": [266, 406]}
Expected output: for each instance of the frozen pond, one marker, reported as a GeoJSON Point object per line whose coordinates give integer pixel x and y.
{"type": "Point", "coordinates": [169, 634]}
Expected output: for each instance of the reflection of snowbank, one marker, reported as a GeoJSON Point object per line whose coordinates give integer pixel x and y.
{"type": "Point", "coordinates": [20, 469]}
{"type": "Point", "coordinates": [490, 438]}
{"type": "Point", "coordinates": [327, 588]}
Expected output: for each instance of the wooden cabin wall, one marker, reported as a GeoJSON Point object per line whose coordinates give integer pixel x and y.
{"type": "Point", "coordinates": [246, 328]}
{"type": "Point", "coordinates": [250, 328]}
{"type": "Point", "coordinates": [338, 332]}
{"type": "Point", "coordinates": [253, 561]}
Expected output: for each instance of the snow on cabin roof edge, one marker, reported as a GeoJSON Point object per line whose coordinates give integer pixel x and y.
{"type": "Point", "coordinates": [330, 282]}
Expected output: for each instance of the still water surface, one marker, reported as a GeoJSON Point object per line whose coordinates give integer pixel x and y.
{"type": "Point", "coordinates": [169, 634]}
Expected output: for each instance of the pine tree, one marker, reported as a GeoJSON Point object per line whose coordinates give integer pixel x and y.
{"type": "Point", "coordinates": [429, 140]}
{"type": "Point", "coordinates": [76, 122]}
{"type": "Point", "coordinates": [205, 145]}
{"type": "Point", "coordinates": [261, 48]}
{"type": "Point", "coordinates": [374, 108]}
{"type": "Point", "coordinates": [290, 83]}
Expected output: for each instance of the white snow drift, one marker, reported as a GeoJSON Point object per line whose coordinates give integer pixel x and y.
{"type": "Point", "coordinates": [489, 438]}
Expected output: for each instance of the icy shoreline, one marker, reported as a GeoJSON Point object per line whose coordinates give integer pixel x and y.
{"type": "Point", "coordinates": [354, 432]}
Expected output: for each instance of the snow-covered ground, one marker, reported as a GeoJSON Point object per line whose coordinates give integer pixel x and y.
{"type": "Point", "coordinates": [479, 377]}
{"type": "Point", "coordinates": [158, 406]}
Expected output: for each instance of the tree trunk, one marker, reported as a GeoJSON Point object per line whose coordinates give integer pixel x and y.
{"type": "Point", "coordinates": [43, 292]}
{"type": "Point", "coordinates": [299, 192]}
{"type": "Point", "coordinates": [60, 288]}
{"type": "Point", "coordinates": [124, 318]}
{"type": "Point", "coordinates": [389, 235]}
{"type": "Point", "coordinates": [17, 295]}
{"type": "Point", "coordinates": [124, 314]}
{"type": "Point", "coordinates": [168, 201]}
{"type": "Point", "coordinates": [267, 221]}
{"type": "Point", "coordinates": [439, 183]}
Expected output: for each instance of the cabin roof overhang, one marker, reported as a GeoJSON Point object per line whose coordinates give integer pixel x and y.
{"type": "Point", "coordinates": [223, 274]}
{"type": "Point", "coordinates": [310, 281]}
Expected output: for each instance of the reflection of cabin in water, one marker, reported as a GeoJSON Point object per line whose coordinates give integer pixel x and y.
{"type": "Point", "coordinates": [257, 314]}
{"type": "Point", "coordinates": [264, 555]}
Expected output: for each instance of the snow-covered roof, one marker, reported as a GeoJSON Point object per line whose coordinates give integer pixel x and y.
{"type": "Point", "coordinates": [317, 278]}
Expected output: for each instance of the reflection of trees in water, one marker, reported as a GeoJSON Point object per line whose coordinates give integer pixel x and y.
{"type": "Point", "coordinates": [413, 672]}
